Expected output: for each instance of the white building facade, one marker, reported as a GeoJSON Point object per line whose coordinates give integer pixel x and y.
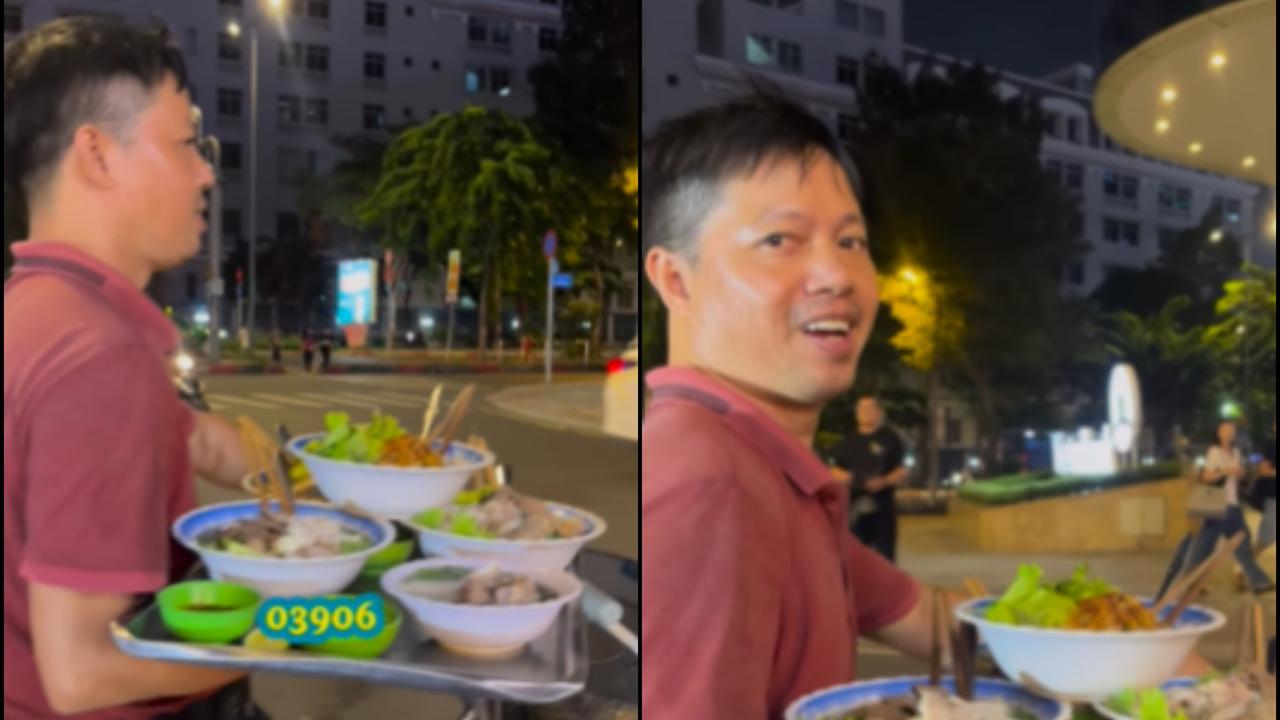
{"type": "Point", "coordinates": [330, 68]}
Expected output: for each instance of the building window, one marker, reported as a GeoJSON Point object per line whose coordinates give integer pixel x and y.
{"type": "Point", "coordinates": [288, 226]}
{"type": "Point", "coordinates": [874, 22]}
{"type": "Point", "coordinates": [231, 156]}
{"type": "Point", "coordinates": [318, 9]}
{"type": "Point", "coordinates": [759, 49]}
{"type": "Point", "coordinates": [845, 126]}
{"type": "Point", "coordinates": [291, 55]}
{"type": "Point", "coordinates": [795, 6]}
{"type": "Point", "coordinates": [229, 102]}
{"type": "Point", "coordinates": [1228, 209]}
{"type": "Point", "coordinates": [1117, 231]}
{"type": "Point", "coordinates": [1075, 275]}
{"type": "Point", "coordinates": [1175, 200]}
{"type": "Point", "coordinates": [408, 113]}
{"type": "Point", "coordinates": [1073, 129]}
{"type": "Point", "coordinates": [1054, 170]}
{"type": "Point", "coordinates": [846, 71]}
{"type": "Point", "coordinates": [290, 110]}
{"type": "Point", "coordinates": [1074, 177]}
{"type": "Point", "coordinates": [408, 10]}
{"type": "Point", "coordinates": [375, 66]}
{"type": "Point", "coordinates": [847, 14]}
{"type": "Point", "coordinates": [952, 427]}
{"type": "Point", "coordinates": [317, 111]}
{"type": "Point", "coordinates": [228, 47]}
{"type": "Point", "coordinates": [318, 58]}
{"type": "Point", "coordinates": [408, 62]}
{"type": "Point", "coordinates": [790, 56]}
{"type": "Point", "coordinates": [673, 80]}
{"type": "Point", "coordinates": [12, 18]}
{"type": "Point", "coordinates": [374, 117]}
{"type": "Point", "coordinates": [548, 39]}
{"type": "Point", "coordinates": [489, 32]}
{"type": "Point", "coordinates": [375, 15]}
{"type": "Point", "coordinates": [491, 80]}
{"type": "Point", "coordinates": [292, 164]}
{"type": "Point", "coordinates": [231, 222]}
{"type": "Point", "coordinates": [1119, 187]}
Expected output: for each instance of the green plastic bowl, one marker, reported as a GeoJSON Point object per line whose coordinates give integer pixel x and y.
{"type": "Point", "coordinates": [365, 648]}
{"type": "Point", "coordinates": [208, 611]}
{"type": "Point", "coordinates": [389, 556]}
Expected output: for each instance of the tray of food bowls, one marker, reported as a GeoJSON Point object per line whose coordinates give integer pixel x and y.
{"type": "Point", "coordinates": [418, 566]}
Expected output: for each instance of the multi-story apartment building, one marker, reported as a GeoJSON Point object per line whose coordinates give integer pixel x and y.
{"type": "Point", "coordinates": [331, 68]}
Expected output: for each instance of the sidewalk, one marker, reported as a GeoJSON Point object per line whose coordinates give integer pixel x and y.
{"type": "Point", "coordinates": [934, 554]}
{"type": "Point", "coordinates": [434, 362]}
{"type": "Point", "coordinates": [573, 405]}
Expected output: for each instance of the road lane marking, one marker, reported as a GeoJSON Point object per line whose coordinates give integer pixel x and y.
{"type": "Point", "coordinates": [236, 400]}
{"type": "Point", "coordinates": [290, 400]}
{"type": "Point", "coordinates": [334, 399]}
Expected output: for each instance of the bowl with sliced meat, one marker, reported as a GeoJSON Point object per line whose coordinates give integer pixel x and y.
{"type": "Point", "coordinates": [908, 698]}
{"type": "Point", "coordinates": [475, 608]}
{"type": "Point", "coordinates": [512, 529]}
{"type": "Point", "coordinates": [318, 549]}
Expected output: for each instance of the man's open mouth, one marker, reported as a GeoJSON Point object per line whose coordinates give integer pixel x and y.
{"type": "Point", "coordinates": [828, 328]}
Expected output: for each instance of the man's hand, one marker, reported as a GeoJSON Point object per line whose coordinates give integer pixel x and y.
{"type": "Point", "coordinates": [875, 484]}
{"type": "Point", "coordinates": [217, 452]}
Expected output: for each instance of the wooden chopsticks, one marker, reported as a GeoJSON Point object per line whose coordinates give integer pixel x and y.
{"type": "Point", "coordinates": [1195, 581]}
{"type": "Point", "coordinates": [963, 641]}
{"type": "Point", "coordinates": [453, 419]}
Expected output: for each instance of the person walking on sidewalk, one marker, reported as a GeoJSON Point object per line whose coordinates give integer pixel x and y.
{"type": "Point", "coordinates": [276, 358]}
{"type": "Point", "coordinates": [326, 348]}
{"type": "Point", "coordinates": [871, 459]}
{"type": "Point", "coordinates": [1224, 468]}
{"type": "Point", "coordinates": [308, 349]}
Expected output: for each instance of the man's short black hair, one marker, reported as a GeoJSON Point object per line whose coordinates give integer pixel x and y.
{"type": "Point", "coordinates": [61, 76]}
{"type": "Point", "coordinates": [689, 159]}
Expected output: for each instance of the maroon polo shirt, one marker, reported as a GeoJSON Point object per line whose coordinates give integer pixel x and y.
{"type": "Point", "coordinates": [96, 466]}
{"type": "Point", "coordinates": [754, 591]}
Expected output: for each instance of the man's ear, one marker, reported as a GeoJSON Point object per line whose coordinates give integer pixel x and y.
{"type": "Point", "coordinates": [90, 157]}
{"type": "Point", "coordinates": [668, 273]}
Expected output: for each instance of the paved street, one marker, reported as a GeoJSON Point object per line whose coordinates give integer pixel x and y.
{"type": "Point", "coordinates": [550, 458]}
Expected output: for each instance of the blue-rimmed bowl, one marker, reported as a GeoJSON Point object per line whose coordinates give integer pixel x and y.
{"type": "Point", "coordinates": [832, 703]}
{"type": "Point", "coordinates": [514, 554]}
{"type": "Point", "coordinates": [280, 577]}
{"type": "Point", "coordinates": [1182, 683]}
{"type": "Point", "coordinates": [387, 491]}
{"type": "Point", "coordinates": [1085, 665]}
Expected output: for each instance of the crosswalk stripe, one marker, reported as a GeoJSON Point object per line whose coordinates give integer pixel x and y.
{"type": "Point", "coordinates": [407, 399]}
{"type": "Point", "coordinates": [290, 400]}
{"type": "Point", "coordinates": [237, 400]}
{"type": "Point", "coordinates": [335, 399]}
{"type": "Point", "coordinates": [401, 400]}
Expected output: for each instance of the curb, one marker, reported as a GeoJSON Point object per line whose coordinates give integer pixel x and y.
{"type": "Point", "coordinates": [262, 369]}
{"type": "Point", "coordinates": [555, 422]}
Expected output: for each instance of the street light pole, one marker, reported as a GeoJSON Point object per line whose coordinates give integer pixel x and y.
{"type": "Point", "coordinates": [253, 178]}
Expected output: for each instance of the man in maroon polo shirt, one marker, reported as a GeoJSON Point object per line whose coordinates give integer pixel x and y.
{"type": "Point", "coordinates": [754, 591]}
{"type": "Point", "coordinates": [98, 449]}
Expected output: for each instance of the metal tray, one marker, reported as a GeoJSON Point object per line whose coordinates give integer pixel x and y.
{"type": "Point", "coordinates": [552, 668]}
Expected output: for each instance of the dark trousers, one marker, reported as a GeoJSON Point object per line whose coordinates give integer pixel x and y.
{"type": "Point", "coordinates": [879, 531]}
{"type": "Point", "coordinates": [1195, 549]}
{"type": "Point", "coordinates": [232, 702]}
{"type": "Point", "coordinates": [325, 352]}
{"type": "Point", "coordinates": [308, 357]}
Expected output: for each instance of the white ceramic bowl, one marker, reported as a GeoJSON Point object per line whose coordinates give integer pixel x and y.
{"type": "Point", "coordinates": [482, 630]}
{"type": "Point", "coordinates": [391, 492]}
{"type": "Point", "coordinates": [280, 577]}
{"type": "Point", "coordinates": [836, 701]}
{"type": "Point", "coordinates": [514, 554]}
{"type": "Point", "coordinates": [1084, 666]}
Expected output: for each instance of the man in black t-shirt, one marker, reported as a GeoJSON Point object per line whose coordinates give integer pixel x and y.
{"type": "Point", "coordinates": [871, 459]}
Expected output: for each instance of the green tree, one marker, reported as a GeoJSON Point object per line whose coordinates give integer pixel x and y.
{"type": "Point", "coordinates": [1206, 256]}
{"type": "Point", "coordinates": [480, 181]}
{"type": "Point", "coordinates": [955, 189]}
{"type": "Point", "coordinates": [1243, 342]}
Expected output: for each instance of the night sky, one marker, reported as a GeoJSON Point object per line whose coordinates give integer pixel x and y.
{"type": "Point", "coordinates": [1029, 37]}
